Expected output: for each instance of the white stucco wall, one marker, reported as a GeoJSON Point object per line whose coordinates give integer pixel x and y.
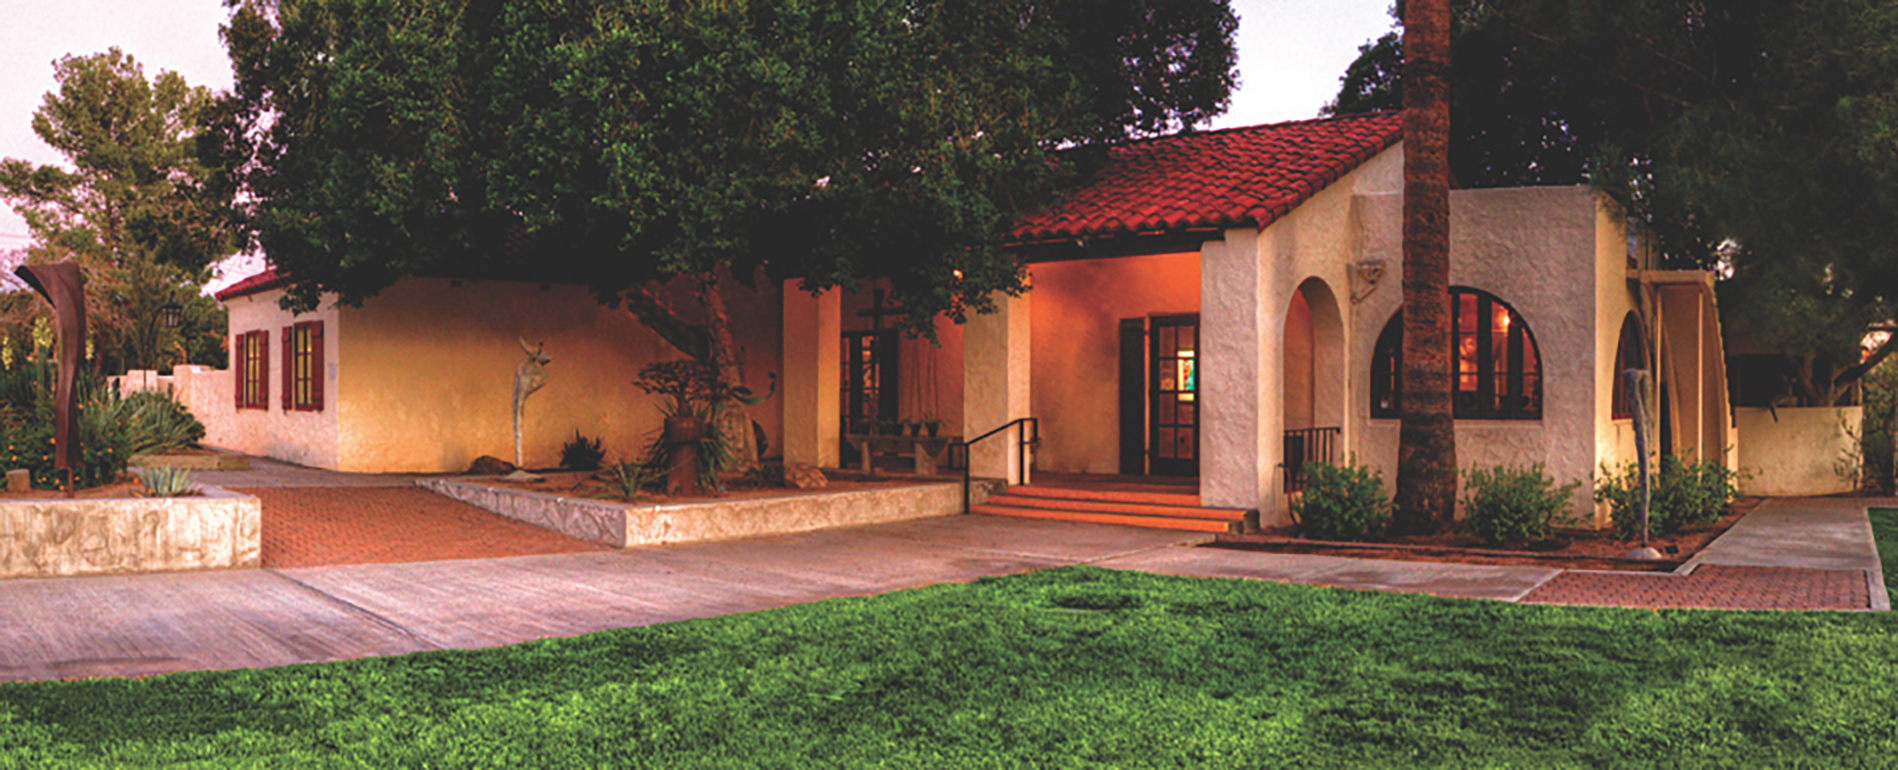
{"type": "Point", "coordinates": [1796, 451]}
{"type": "Point", "coordinates": [1536, 249]}
{"type": "Point", "coordinates": [1246, 286]}
{"type": "Point", "coordinates": [304, 438]}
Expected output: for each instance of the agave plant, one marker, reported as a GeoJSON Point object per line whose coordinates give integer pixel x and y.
{"type": "Point", "coordinates": [166, 481]}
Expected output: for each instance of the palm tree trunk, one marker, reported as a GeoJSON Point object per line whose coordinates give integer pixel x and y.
{"type": "Point", "coordinates": [1426, 454]}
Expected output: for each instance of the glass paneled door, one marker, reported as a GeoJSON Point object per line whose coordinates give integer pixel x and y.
{"type": "Point", "coordinates": [1173, 401]}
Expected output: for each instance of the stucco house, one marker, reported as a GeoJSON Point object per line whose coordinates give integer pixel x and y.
{"type": "Point", "coordinates": [1215, 304]}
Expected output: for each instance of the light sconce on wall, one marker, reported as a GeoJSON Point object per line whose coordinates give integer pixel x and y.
{"type": "Point", "coordinates": [1364, 277]}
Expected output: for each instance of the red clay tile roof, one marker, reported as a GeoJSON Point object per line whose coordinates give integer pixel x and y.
{"type": "Point", "coordinates": [1227, 178]}
{"type": "Point", "coordinates": [264, 281]}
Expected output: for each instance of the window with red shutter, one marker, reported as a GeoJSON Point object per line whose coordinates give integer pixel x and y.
{"type": "Point", "coordinates": [252, 360]}
{"type": "Point", "coordinates": [303, 362]}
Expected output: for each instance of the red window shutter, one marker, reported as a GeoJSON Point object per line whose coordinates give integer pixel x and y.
{"type": "Point", "coordinates": [237, 368]}
{"type": "Point", "coordinates": [263, 370]}
{"type": "Point", "coordinates": [289, 367]}
{"type": "Point", "coordinates": [317, 372]}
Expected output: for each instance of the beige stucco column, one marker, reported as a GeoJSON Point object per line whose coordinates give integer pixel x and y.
{"type": "Point", "coordinates": [812, 346]}
{"type": "Point", "coordinates": [995, 386]}
{"type": "Point", "coordinates": [1241, 336]}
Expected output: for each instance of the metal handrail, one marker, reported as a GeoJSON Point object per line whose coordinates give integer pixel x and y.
{"type": "Point", "coordinates": [1031, 437]}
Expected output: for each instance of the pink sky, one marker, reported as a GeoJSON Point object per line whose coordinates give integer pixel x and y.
{"type": "Point", "coordinates": [1291, 53]}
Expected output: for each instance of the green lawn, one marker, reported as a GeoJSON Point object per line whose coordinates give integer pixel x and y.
{"type": "Point", "coordinates": [1885, 533]}
{"type": "Point", "coordinates": [1070, 667]}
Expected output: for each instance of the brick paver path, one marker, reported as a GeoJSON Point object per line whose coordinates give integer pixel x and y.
{"type": "Point", "coordinates": [315, 526]}
{"type": "Point", "coordinates": [1712, 587]}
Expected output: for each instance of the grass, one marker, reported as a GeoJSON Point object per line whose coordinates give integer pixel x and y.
{"type": "Point", "coordinates": [1885, 534]}
{"type": "Point", "coordinates": [1071, 667]}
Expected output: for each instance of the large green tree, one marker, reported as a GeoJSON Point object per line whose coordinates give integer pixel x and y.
{"type": "Point", "coordinates": [1755, 137]}
{"type": "Point", "coordinates": [623, 142]}
{"type": "Point", "coordinates": [137, 208]}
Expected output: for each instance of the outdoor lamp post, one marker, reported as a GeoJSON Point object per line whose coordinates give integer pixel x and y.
{"type": "Point", "coordinates": [172, 313]}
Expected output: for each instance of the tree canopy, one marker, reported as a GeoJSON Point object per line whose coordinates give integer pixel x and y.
{"type": "Point", "coordinates": [138, 208]}
{"type": "Point", "coordinates": [617, 142]}
{"type": "Point", "coordinates": [1758, 138]}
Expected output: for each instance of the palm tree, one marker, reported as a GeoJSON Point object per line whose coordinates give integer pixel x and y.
{"type": "Point", "coordinates": [1426, 453]}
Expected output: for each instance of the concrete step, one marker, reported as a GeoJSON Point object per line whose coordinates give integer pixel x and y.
{"type": "Point", "coordinates": [1110, 505]}
{"type": "Point", "coordinates": [1140, 509]}
{"type": "Point", "coordinates": [1154, 498]}
{"type": "Point", "coordinates": [1157, 522]}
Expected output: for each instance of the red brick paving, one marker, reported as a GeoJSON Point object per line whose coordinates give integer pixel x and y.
{"type": "Point", "coordinates": [316, 526]}
{"type": "Point", "coordinates": [1712, 587]}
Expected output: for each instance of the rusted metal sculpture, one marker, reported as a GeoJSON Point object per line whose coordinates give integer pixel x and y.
{"type": "Point", "coordinates": [528, 377]}
{"type": "Point", "coordinates": [64, 286]}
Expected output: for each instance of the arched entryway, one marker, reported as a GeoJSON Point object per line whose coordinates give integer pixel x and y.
{"type": "Point", "coordinates": [1313, 378]}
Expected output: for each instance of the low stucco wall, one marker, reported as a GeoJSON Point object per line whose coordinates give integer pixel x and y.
{"type": "Point", "coordinates": [623, 525]}
{"type": "Point", "coordinates": [46, 538]}
{"type": "Point", "coordinates": [1797, 451]}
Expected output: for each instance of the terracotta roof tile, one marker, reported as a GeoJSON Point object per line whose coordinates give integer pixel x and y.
{"type": "Point", "coordinates": [1227, 178]}
{"type": "Point", "coordinates": [264, 281]}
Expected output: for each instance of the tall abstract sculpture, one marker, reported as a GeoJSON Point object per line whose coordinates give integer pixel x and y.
{"type": "Point", "coordinates": [64, 286]}
{"type": "Point", "coordinates": [528, 377]}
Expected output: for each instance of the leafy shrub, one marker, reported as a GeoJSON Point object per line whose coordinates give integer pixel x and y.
{"type": "Point", "coordinates": [155, 422]}
{"type": "Point", "coordinates": [1512, 505]}
{"type": "Point", "coordinates": [765, 475]}
{"type": "Point", "coordinates": [1683, 493]}
{"type": "Point", "coordinates": [581, 454]}
{"type": "Point", "coordinates": [1342, 502]}
{"type": "Point", "coordinates": [166, 481]}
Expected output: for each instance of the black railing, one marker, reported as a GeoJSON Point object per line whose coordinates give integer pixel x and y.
{"type": "Point", "coordinates": [1030, 438]}
{"type": "Point", "coordinates": [1309, 445]}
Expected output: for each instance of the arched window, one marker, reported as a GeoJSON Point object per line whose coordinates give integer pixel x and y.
{"type": "Point", "coordinates": [1629, 354]}
{"type": "Point", "coordinates": [1498, 371]}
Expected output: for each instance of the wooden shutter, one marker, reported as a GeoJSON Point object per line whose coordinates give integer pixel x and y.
{"type": "Point", "coordinates": [289, 374]}
{"type": "Point", "coordinates": [263, 370]}
{"type": "Point", "coordinates": [237, 368]}
{"type": "Point", "coordinates": [317, 373]}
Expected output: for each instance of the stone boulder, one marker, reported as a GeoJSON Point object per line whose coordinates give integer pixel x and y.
{"type": "Point", "coordinates": [804, 476]}
{"type": "Point", "coordinates": [489, 465]}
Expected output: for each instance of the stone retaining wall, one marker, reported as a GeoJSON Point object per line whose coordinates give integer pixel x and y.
{"type": "Point", "coordinates": [46, 538]}
{"type": "Point", "coordinates": [628, 524]}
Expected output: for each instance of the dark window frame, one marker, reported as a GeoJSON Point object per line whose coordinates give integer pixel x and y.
{"type": "Point", "coordinates": [303, 367]}
{"type": "Point", "coordinates": [1475, 386]}
{"type": "Point", "coordinates": [251, 354]}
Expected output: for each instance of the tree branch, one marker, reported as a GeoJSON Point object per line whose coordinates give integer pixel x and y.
{"type": "Point", "coordinates": [690, 338]}
{"type": "Point", "coordinates": [1852, 374]}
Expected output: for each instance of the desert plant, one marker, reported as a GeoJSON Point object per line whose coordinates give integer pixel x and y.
{"type": "Point", "coordinates": [1507, 504]}
{"type": "Point", "coordinates": [166, 481]}
{"type": "Point", "coordinates": [1684, 492]}
{"type": "Point", "coordinates": [1342, 502]}
{"type": "Point", "coordinates": [628, 481]}
{"type": "Point", "coordinates": [155, 422]}
{"type": "Point", "coordinates": [581, 454]}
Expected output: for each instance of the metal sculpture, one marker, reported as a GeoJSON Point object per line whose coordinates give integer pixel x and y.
{"type": "Point", "coordinates": [64, 286]}
{"type": "Point", "coordinates": [528, 377]}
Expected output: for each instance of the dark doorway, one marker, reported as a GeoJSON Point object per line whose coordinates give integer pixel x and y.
{"type": "Point", "coordinates": [1173, 395]}
{"type": "Point", "coordinates": [869, 380]}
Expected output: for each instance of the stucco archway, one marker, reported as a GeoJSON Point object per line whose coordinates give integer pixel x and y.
{"type": "Point", "coordinates": [1315, 386]}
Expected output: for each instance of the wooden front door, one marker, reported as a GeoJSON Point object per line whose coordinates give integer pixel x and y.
{"type": "Point", "coordinates": [1173, 395]}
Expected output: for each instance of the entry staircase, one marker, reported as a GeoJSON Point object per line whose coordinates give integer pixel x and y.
{"type": "Point", "coordinates": [1161, 510]}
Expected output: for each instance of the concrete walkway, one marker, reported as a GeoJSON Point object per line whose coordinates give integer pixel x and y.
{"type": "Point", "coordinates": [129, 625]}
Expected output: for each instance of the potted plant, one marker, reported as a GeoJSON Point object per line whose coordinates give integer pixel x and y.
{"type": "Point", "coordinates": [915, 427]}
{"type": "Point", "coordinates": [932, 424]}
{"type": "Point", "coordinates": [688, 449]}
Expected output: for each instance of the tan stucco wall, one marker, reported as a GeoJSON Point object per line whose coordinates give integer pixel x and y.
{"type": "Point", "coordinates": [1795, 451]}
{"type": "Point", "coordinates": [1247, 282]}
{"type": "Point", "coordinates": [1077, 307]}
{"type": "Point", "coordinates": [1536, 249]}
{"type": "Point", "coordinates": [426, 370]}
{"type": "Point", "coordinates": [304, 438]}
